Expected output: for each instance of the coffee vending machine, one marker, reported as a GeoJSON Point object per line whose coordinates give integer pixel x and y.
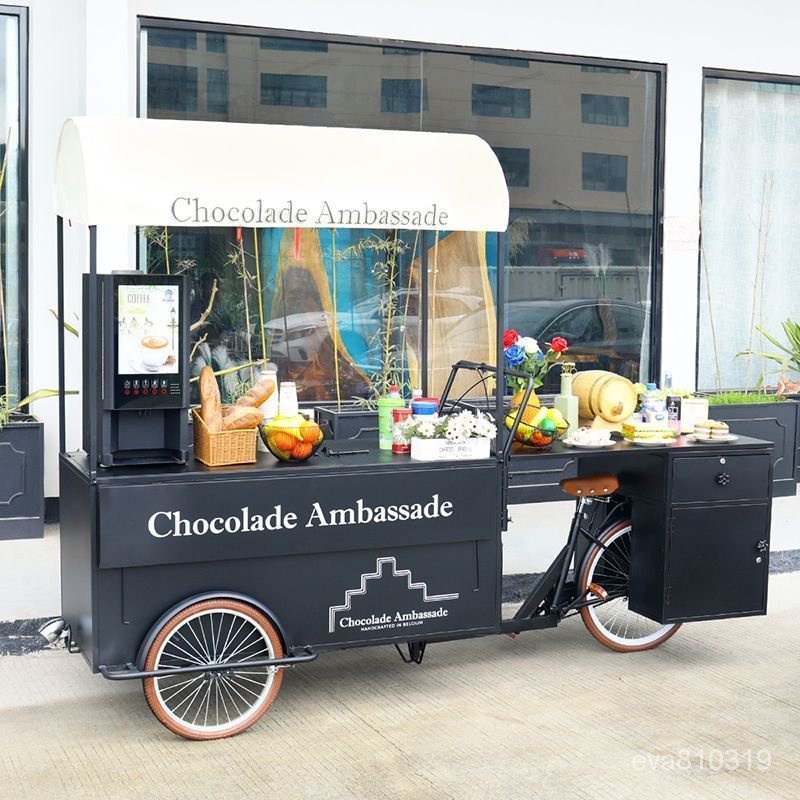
{"type": "Point", "coordinates": [144, 368]}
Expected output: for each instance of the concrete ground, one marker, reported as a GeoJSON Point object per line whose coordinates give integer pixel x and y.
{"type": "Point", "coordinates": [714, 713]}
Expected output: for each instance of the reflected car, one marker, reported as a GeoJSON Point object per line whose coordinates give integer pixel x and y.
{"type": "Point", "coordinates": [602, 334]}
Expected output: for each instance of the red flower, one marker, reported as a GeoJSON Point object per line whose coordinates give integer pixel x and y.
{"type": "Point", "coordinates": [558, 345]}
{"type": "Point", "coordinates": [510, 337]}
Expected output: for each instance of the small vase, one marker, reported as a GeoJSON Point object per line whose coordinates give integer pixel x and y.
{"type": "Point", "coordinates": [567, 403]}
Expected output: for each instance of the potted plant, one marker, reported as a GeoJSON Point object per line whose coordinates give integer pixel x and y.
{"type": "Point", "coordinates": [462, 435]}
{"type": "Point", "coordinates": [21, 469]}
{"type": "Point", "coordinates": [770, 415]}
{"type": "Point", "coordinates": [349, 420]}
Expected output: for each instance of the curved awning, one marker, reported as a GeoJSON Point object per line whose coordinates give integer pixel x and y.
{"type": "Point", "coordinates": [174, 172]}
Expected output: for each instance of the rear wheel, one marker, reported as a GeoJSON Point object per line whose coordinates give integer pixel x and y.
{"type": "Point", "coordinates": [612, 622]}
{"type": "Point", "coordinates": [216, 703]}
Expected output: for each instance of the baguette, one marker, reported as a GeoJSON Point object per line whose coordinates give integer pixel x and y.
{"type": "Point", "coordinates": [242, 418]}
{"type": "Point", "coordinates": [257, 394]}
{"type": "Point", "coordinates": [210, 402]}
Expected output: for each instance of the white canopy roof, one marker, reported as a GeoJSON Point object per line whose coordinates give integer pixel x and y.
{"type": "Point", "coordinates": [176, 172]}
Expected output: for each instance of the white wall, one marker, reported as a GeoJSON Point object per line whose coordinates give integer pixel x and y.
{"type": "Point", "coordinates": [67, 78]}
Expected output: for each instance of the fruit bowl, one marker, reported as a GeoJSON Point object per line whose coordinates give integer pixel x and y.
{"type": "Point", "coordinates": [538, 427]}
{"type": "Point", "coordinates": [292, 439]}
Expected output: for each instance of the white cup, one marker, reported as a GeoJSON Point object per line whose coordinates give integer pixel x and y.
{"type": "Point", "coordinates": [287, 400]}
{"type": "Point", "coordinates": [154, 351]}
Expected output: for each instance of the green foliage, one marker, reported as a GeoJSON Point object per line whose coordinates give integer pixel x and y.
{"type": "Point", "coordinates": [737, 398]}
{"type": "Point", "coordinates": [789, 356]}
{"type": "Point", "coordinates": [387, 251]}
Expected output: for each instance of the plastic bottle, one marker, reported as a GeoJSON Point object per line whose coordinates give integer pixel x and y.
{"type": "Point", "coordinates": [385, 422]}
{"type": "Point", "coordinates": [648, 398]}
{"type": "Point", "coordinates": [270, 406]}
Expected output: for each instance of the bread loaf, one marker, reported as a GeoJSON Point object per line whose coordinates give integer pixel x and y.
{"type": "Point", "coordinates": [241, 418]}
{"type": "Point", "coordinates": [257, 394]}
{"type": "Point", "coordinates": [210, 402]}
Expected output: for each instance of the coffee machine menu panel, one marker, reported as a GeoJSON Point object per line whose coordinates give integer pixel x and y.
{"type": "Point", "coordinates": [149, 344]}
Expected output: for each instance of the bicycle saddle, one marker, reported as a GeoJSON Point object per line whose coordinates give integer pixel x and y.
{"type": "Point", "coordinates": [591, 485]}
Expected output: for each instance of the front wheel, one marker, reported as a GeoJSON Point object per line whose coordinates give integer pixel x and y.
{"type": "Point", "coordinates": [216, 703]}
{"type": "Point", "coordinates": [612, 622]}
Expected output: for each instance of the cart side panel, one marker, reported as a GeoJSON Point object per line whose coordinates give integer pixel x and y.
{"type": "Point", "coordinates": [78, 586]}
{"type": "Point", "coordinates": [326, 600]}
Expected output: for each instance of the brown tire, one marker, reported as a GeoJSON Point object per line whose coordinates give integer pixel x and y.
{"type": "Point", "coordinates": [214, 704]}
{"type": "Point", "coordinates": [611, 621]}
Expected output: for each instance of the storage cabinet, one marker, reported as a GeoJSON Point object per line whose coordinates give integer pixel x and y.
{"type": "Point", "coordinates": [717, 561]}
{"type": "Point", "coordinates": [701, 551]}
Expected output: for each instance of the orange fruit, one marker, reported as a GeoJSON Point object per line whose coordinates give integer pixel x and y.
{"type": "Point", "coordinates": [283, 440]}
{"type": "Point", "coordinates": [302, 450]}
{"type": "Point", "coordinates": [320, 437]}
{"type": "Point", "coordinates": [309, 431]}
{"type": "Point", "coordinates": [516, 400]}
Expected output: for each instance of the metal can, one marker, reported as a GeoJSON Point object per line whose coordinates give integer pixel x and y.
{"type": "Point", "coordinates": [674, 412]}
{"type": "Point", "coordinates": [399, 442]}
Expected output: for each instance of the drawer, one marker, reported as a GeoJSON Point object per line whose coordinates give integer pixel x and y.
{"type": "Point", "coordinates": [721, 477]}
{"type": "Point", "coordinates": [535, 479]}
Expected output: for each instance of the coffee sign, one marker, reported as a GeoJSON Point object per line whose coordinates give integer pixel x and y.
{"type": "Point", "coordinates": [147, 317]}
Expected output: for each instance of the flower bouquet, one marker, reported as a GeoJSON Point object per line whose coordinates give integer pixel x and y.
{"type": "Point", "coordinates": [462, 435]}
{"type": "Point", "coordinates": [538, 427]}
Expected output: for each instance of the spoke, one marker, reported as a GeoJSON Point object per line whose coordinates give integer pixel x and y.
{"type": "Point", "coordinates": [163, 686]}
{"type": "Point", "coordinates": [187, 656]}
{"type": "Point", "coordinates": [200, 706]}
{"type": "Point", "coordinates": [224, 685]}
{"type": "Point", "coordinates": [182, 688]}
{"type": "Point", "coordinates": [243, 644]}
{"type": "Point", "coordinates": [227, 638]}
{"type": "Point", "coordinates": [208, 705]}
{"type": "Point", "coordinates": [203, 649]}
{"type": "Point", "coordinates": [213, 638]}
{"type": "Point", "coordinates": [221, 655]}
{"type": "Point", "coordinates": [194, 650]}
{"type": "Point", "coordinates": [188, 700]}
{"type": "Point", "coordinates": [232, 684]}
{"type": "Point", "coordinates": [206, 649]}
{"type": "Point", "coordinates": [236, 677]}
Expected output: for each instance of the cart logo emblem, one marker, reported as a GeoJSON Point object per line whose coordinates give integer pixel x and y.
{"type": "Point", "coordinates": [387, 620]}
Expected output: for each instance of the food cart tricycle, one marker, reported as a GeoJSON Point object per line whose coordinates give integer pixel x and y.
{"type": "Point", "coordinates": [208, 583]}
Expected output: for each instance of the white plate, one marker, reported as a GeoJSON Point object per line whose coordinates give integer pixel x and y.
{"type": "Point", "coordinates": [729, 438]}
{"type": "Point", "coordinates": [651, 442]}
{"type": "Point", "coordinates": [570, 443]}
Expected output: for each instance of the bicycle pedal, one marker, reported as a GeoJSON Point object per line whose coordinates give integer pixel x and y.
{"type": "Point", "coordinates": [598, 591]}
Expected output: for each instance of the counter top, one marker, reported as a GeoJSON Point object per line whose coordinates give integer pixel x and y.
{"type": "Point", "coordinates": [376, 459]}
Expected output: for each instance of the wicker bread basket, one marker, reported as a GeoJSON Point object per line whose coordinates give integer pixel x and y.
{"type": "Point", "coordinates": [225, 447]}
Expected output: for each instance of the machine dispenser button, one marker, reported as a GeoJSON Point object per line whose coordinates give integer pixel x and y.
{"type": "Point", "coordinates": [145, 391]}
{"type": "Point", "coordinates": [163, 391]}
{"type": "Point", "coordinates": [126, 385]}
{"type": "Point", "coordinates": [127, 391]}
{"type": "Point", "coordinates": [136, 391]}
{"type": "Point", "coordinates": [163, 383]}
{"type": "Point", "coordinates": [136, 384]}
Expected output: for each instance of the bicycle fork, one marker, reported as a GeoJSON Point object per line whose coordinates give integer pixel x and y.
{"type": "Point", "coordinates": [575, 530]}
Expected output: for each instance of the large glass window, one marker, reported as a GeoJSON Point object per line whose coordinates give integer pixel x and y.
{"type": "Point", "coordinates": [13, 253]}
{"type": "Point", "coordinates": [750, 236]}
{"type": "Point", "coordinates": [580, 241]}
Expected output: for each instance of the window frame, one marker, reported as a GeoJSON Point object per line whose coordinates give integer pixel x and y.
{"type": "Point", "coordinates": [659, 124]}
{"type": "Point", "coordinates": [720, 73]}
{"type": "Point", "coordinates": [23, 277]}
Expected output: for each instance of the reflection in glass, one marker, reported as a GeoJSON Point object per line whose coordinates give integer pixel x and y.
{"type": "Point", "coordinates": [577, 147]}
{"type": "Point", "coordinates": [750, 237]}
{"type": "Point", "coordinates": [12, 244]}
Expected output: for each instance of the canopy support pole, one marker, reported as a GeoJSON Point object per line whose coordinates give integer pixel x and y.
{"type": "Point", "coordinates": [92, 328]}
{"type": "Point", "coordinates": [62, 400]}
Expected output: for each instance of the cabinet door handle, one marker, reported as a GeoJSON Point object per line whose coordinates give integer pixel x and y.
{"type": "Point", "coordinates": [723, 479]}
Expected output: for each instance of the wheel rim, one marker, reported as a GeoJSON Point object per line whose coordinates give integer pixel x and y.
{"type": "Point", "coordinates": [214, 702]}
{"type": "Point", "coordinates": [610, 568]}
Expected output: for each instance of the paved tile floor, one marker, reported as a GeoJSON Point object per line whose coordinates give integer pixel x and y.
{"type": "Point", "coordinates": [715, 713]}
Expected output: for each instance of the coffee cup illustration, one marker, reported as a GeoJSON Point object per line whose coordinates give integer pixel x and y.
{"type": "Point", "coordinates": [154, 350]}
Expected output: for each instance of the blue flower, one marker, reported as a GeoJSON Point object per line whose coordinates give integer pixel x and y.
{"type": "Point", "coordinates": [539, 356]}
{"type": "Point", "coordinates": [514, 355]}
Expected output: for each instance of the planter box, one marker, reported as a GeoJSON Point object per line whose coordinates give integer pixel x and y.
{"type": "Point", "coordinates": [348, 423]}
{"type": "Point", "coordinates": [444, 450]}
{"type": "Point", "coordinates": [775, 422]}
{"type": "Point", "coordinates": [22, 480]}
